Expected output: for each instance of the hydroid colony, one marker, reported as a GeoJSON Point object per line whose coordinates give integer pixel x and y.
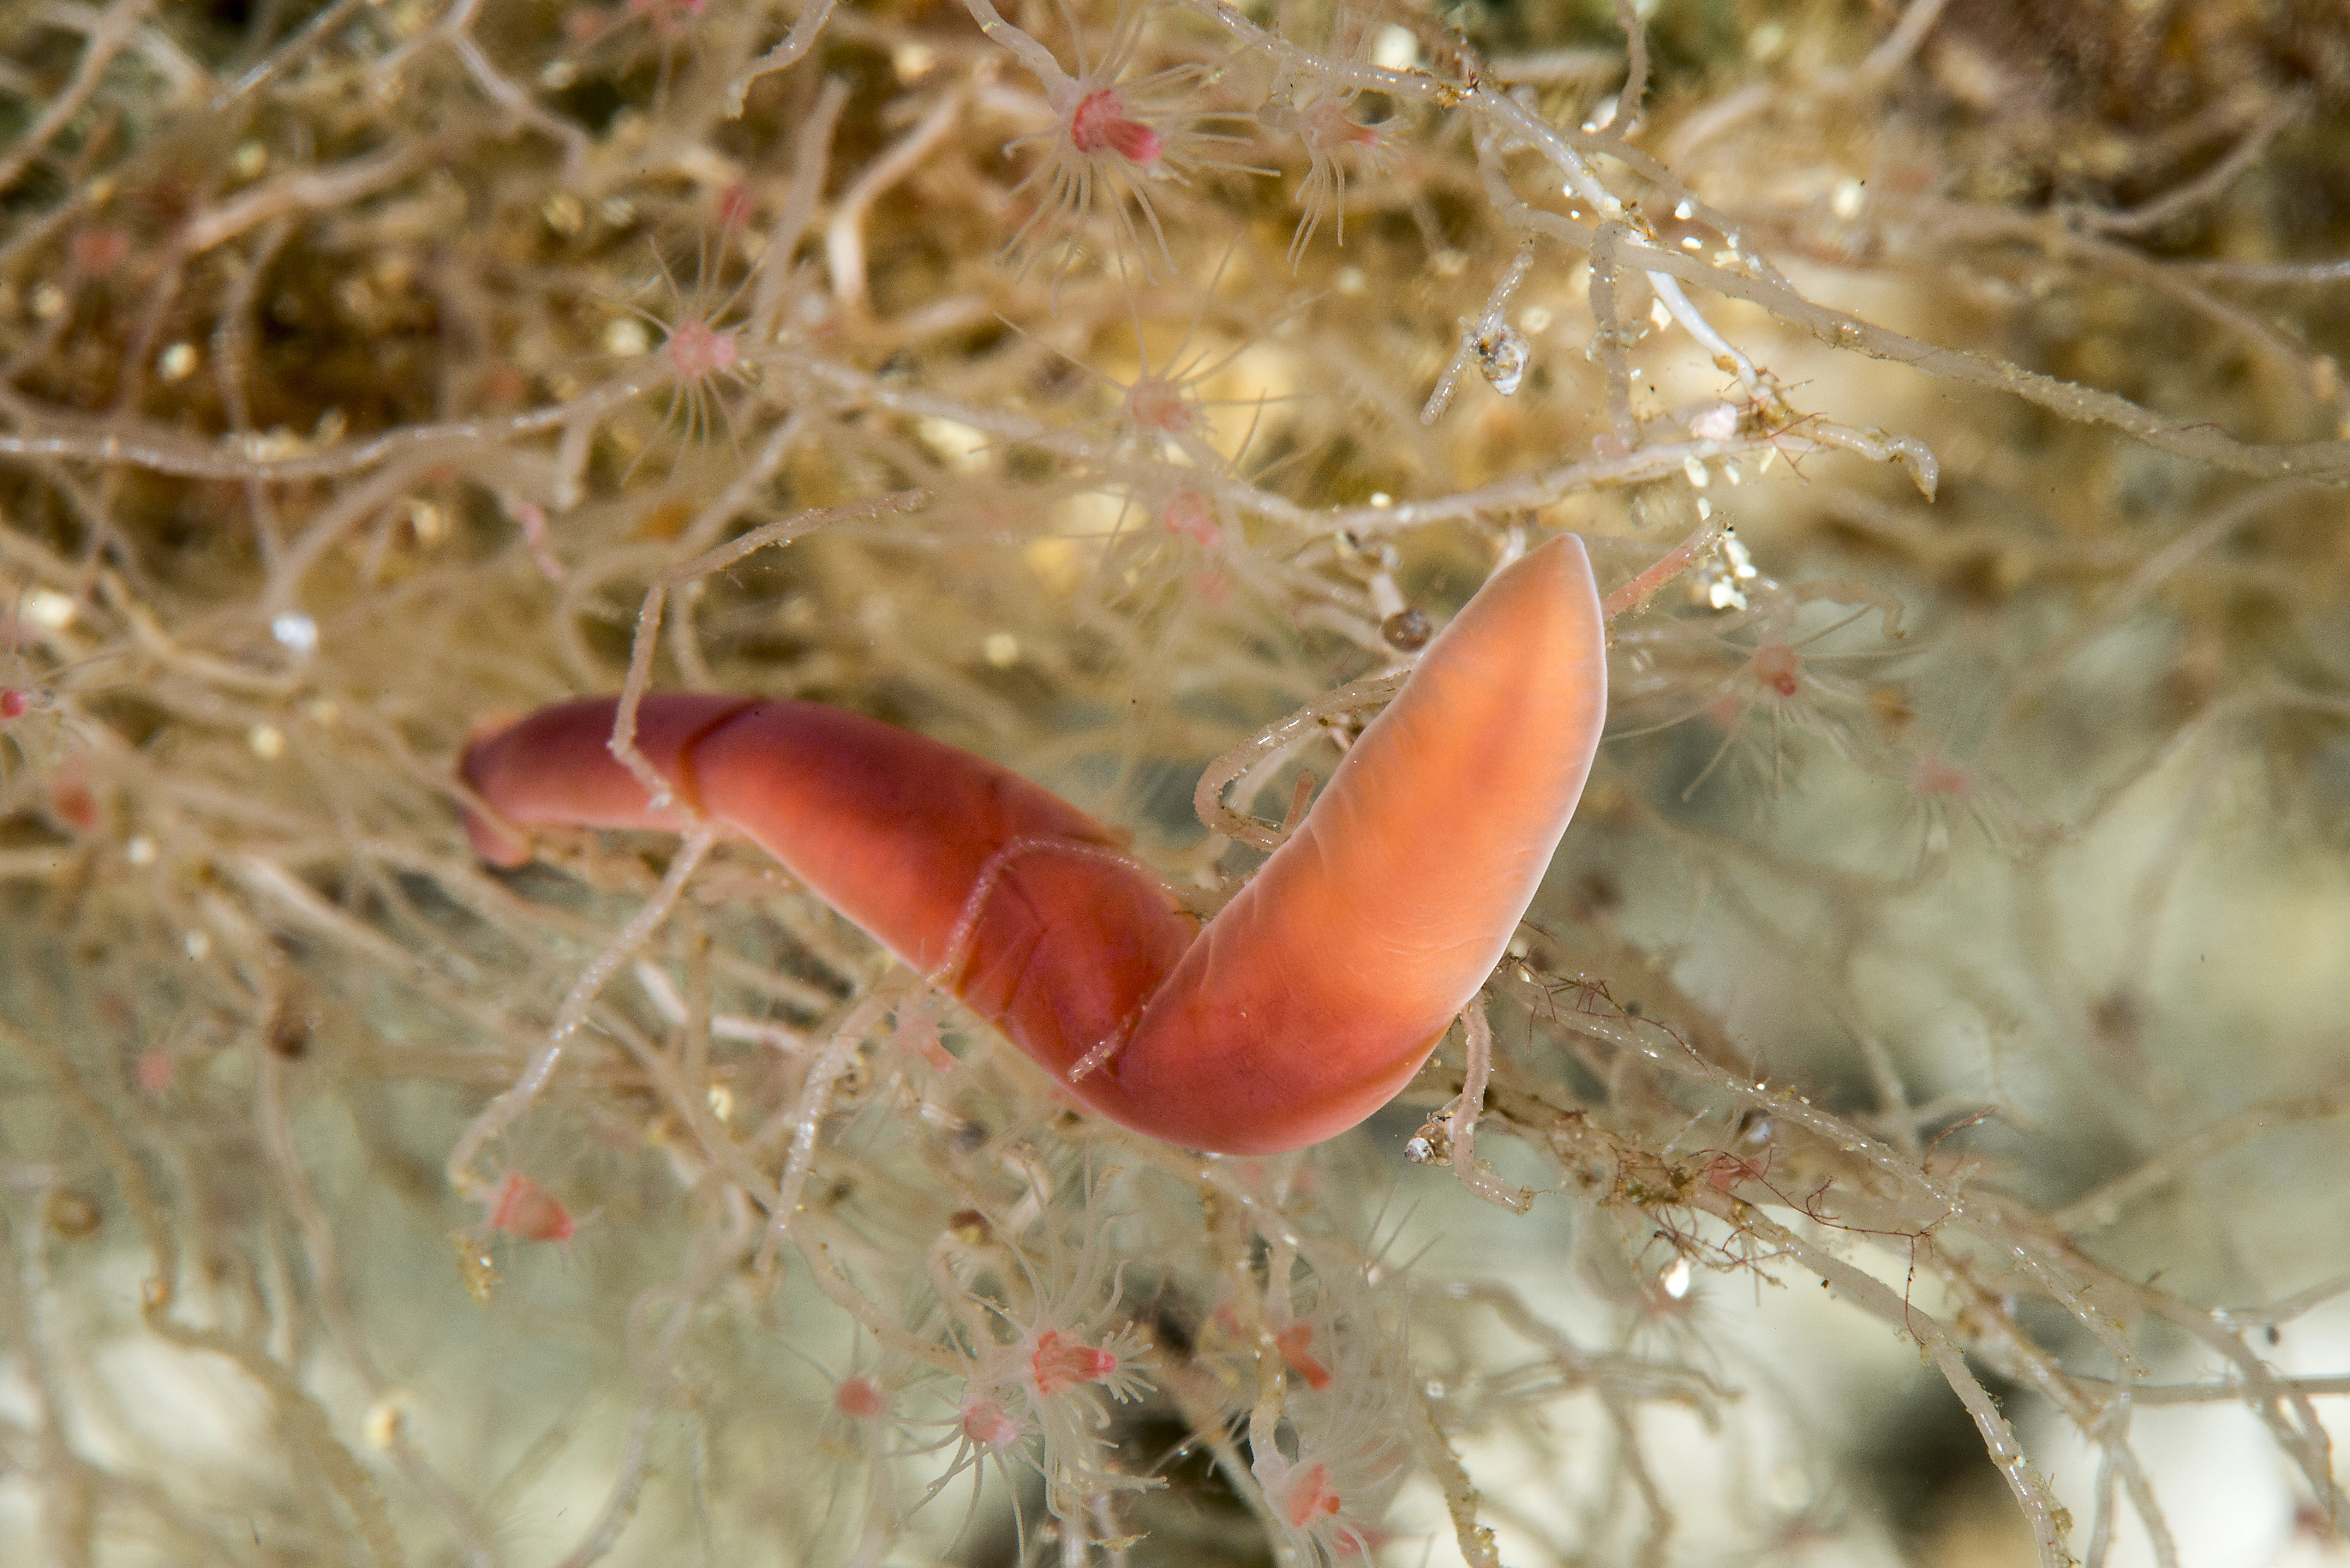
{"type": "Point", "coordinates": [1127, 394]}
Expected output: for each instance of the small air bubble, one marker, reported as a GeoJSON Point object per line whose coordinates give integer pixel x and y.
{"type": "Point", "coordinates": [385, 1427]}
{"type": "Point", "coordinates": [912, 61]}
{"type": "Point", "coordinates": [1407, 630]}
{"type": "Point", "coordinates": [176, 363]}
{"type": "Point", "coordinates": [49, 608]}
{"type": "Point", "coordinates": [626, 337]}
{"type": "Point", "coordinates": [964, 447]}
{"type": "Point", "coordinates": [297, 631]}
{"type": "Point", "coordinates": [563, 213]}
{"type": "Point", "coordinates": [1395, 49]}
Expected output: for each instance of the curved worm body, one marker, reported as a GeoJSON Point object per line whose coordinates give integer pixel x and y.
{"type": "Point", "coordinates": [1304, 1006]}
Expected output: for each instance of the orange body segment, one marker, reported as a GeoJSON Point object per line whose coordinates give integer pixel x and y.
{"type": "Point", "coordinates": [893, 829]}
{"type": "Point", "coordinates": [1310, 999]}
{"type": "Point", "coordinates": [1321, 988]}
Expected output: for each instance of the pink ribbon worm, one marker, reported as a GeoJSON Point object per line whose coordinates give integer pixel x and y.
{"type": "Point", "coordinates": [1304, 1006]}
